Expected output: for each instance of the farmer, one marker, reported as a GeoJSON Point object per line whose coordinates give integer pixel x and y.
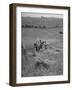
{"type": "Point", "coordinates": [37, 45]}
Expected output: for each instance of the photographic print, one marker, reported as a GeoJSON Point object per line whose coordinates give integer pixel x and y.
{"type": "Point", "coordinates": [42, 44]}
{"type": "Point", "coordinates": [39, 44]}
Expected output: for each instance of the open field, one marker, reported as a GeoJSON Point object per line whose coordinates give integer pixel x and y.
{"type": "Point", "coordinates": [47, 62]}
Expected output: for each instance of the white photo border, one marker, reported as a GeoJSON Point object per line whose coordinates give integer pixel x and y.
{"type": "Point", "coordinates": [63, 77]}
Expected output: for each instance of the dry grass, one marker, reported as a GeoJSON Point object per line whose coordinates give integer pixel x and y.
{"type": "Point", "coordinates": [43, 64]}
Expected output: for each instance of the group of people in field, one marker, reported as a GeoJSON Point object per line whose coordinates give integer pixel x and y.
{"type": "Point", "coordinates": [38, 45]}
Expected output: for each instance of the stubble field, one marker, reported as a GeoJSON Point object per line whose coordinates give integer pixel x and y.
{"type": "Point", "coordinates": [45, 63]}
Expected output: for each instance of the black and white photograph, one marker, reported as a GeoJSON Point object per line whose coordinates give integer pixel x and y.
{"type": "Point", "coordinates": [41, 44]}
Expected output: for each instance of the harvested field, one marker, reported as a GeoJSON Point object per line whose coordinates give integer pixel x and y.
{"type": "Point", "coordinates": [47, 62]}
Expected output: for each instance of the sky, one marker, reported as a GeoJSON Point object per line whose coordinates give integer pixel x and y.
{"type": "Point", "coordinates": [26, 14]}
